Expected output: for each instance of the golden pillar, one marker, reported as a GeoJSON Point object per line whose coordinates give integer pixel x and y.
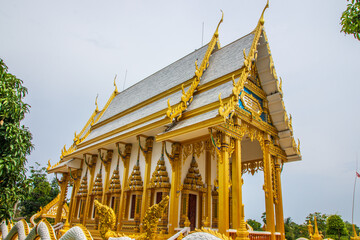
{"type": "Point", "coordinates": [126, 160]}
{"type": "Point", "coordinates": [279, 204]}
{"type": "Point", "coordinates": [223, 165]}
{"type": "Point", "coordinates": [106, 160]}
{"type": "Point", "coordinates": [76, 185]}
{"type": "Point", "coordinates": [208, 148]}
{"type": "Point", "coordinates": [268, 189]}
{"type": "Point", "coordinates": [175, 162]}
{"type": "Point", "coordinates": [236, 186]}
{"type": "Point", "coordinates": [147, 151]}
{"type": "Point", "coordinates": [63, 183]}
{"type": "Point", "coordinates": [90, 161]}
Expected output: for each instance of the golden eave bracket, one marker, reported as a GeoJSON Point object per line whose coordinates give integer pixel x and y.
{"type": "Point", "coordinates": [175, 112]}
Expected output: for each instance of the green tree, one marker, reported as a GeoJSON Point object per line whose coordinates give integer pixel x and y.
{"type": "Point", "coordinates": [254, 224]}
{"type": "Point", "coordinates": [350, 19]}
{"type": "Point", "coordinates": [263, 217]}
{"type": "Point", "coordinates": [335, 227]}
{"type": "Point", "coordinates": [290, 228]}
{"type": "Point", "coordinates": [293, 230]}
{"type": "Point", "coordinates": [41, 192]}
{"type": "Point", "coordinates": [15, 142]}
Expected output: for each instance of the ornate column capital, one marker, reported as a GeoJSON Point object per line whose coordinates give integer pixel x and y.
{"type": "Point", "coordinates": [125, 157]}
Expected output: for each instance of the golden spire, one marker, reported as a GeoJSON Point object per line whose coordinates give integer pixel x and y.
{"type": "Point", "coordinates": [221, 20]}
{"type": "Point", "coordinates": [49, 165]}
{"type": "Point", "coordinates": [116, 90]}
{"type": "Point", "coordinates": [96, 104]}
{"type": "Point", "coordinates": [261, 20]}
{"type": "Point", "coordinates": [355, 237]}
{"type": "Point", "coordinates": [316, 235]}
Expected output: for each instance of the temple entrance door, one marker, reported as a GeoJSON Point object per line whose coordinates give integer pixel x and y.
{"type": "Point", "coordinates": [192, 211]}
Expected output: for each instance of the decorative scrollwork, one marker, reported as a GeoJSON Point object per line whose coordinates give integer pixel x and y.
{"type": "Point", "coordinates": [252, 167]}
{"type": "Point", "coordinates": [249, 60]}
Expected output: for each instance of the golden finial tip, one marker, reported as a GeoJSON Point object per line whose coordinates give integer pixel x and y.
{"type": "Point", "coordinates": [116, 90]}
{"type": "Point", "coordinates": [96, 104]}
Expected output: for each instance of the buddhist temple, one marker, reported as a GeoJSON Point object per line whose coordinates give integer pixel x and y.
{"type": "Point", "coordinates": [189, 132]}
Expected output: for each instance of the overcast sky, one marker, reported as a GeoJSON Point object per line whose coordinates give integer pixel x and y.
{"type": "Point", "coordinates": [67, 52]}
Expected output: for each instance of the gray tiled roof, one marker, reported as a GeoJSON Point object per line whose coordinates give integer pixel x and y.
{"type": "Point", "coordinates": [168, 77]}
{"type": "Point", "coordinates": [222, 61]}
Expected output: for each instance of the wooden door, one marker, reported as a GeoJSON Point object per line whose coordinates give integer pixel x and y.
{"type": "Point", "coordinates": [192, 211]}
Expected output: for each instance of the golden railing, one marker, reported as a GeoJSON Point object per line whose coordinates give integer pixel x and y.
{"type": "Point", "coordinates": [256, 235]}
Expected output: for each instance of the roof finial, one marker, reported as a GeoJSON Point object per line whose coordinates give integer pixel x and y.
{"type": "Point", "coordinates": [221, 20]}
{"type": "Point", "coordinates": [262, 21]}
{"type": "Point", "coordinates": [116, 90]}
{"type": "Point", "coordinates": [96, 104]}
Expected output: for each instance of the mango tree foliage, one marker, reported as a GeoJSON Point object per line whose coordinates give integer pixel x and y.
{"type": "Point", "coordinates": [15, 142]}
{"type": "Point", "coordinates": [350, 19]}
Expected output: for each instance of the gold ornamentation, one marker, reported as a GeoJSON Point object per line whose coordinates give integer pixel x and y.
{"type": "Point", "coordinates": [187, 97]}
{"type": "Point", "coordinates": [115, 186]}
{"type": "Point", "coordinates": [50, 210]}
{"type": "Point", "coordinates": [49, 165]}
{"type": "Point", "coordinates": [49, 227]}
{"type": "Point", "coordinates": [316, 235]}
{"type": "Point", "coordinates": [135, 182]}
{"type": "Point", "coordinates": [249, 61]}
{"type": "Point", "coordinates": [355, 237]}
{"type": "Point", "coordinates": [198, 148]}
{"type": "Point", "coordinates": [187, 150]}
{"type": "Point", "coordinates": [83, 190]}
{"type": "Point", "coordinates": [85, 231]}
{"type": "Point", "coordinates": [274, 180]}
{"type": "Point", "coordinates": [65, 151]}
{"type": "Point", "coordinates": [251, 103]}
{"type": "Point", "coordinates": [193, 179]}
{"type": "Point", "coordinates": [116, 89]}
{"type": "Point", "coordinates": [280, 86]}
{"type": "Point", "coordinates": [107, 220]}
{"type": "Point", "coordinates": [227, 110]}
{"type": "Point", "coordinates": [98, 187]}
{"type": "Point", "coordinates": [160, 178]}
{"type": "Point", "coordinates": [252, 167]}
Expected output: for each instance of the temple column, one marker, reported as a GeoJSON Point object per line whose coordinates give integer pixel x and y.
{"type": "Point", "coordinates": [238, 206]}
{"type": "Point", "coordinates": [126, 160]}
{"type": "Point", "coordinates": [146, 192]}
{"type": "Point", "coordinates": [91, 166]}
{"type": "Point", "coordinates": [279, 204]}
{"type": "Point", "coordinates": [63, 183]}
{"type": "Point", "coordinates": [175, 162]}
{"type": "Point", "coordinates": [106, 160]}
{"type": "Point", "coordinates": [76, 186]}
{"type": "Point", "coordinates": [236, 186]}
{"type": "Point", "coordinates": [224, 183]}
{"type": "Point", "coordinates": [269, 197]}
{"type": "Point", "coordinates": [208, 205]}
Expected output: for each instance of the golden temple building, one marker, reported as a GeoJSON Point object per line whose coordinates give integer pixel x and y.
{"type": "Point", "coordinates": [189, 131]}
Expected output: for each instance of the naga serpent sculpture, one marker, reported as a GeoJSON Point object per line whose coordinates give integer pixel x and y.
{"type": "Point", "coordinates": [44, 231]}
{"type": "Point", "coordinates": [150, 221]}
